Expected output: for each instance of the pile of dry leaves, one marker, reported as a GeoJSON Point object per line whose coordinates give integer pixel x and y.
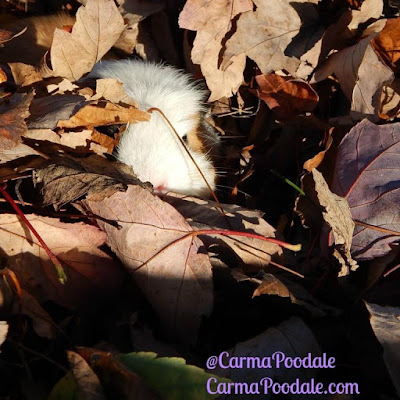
{"type": "Point", "coordinates": [300, 258]}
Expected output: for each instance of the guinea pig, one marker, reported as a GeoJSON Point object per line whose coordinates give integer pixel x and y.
{"type": "Point", "coordinates": [151, 148]}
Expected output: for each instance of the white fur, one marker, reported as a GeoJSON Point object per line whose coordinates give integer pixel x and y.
{"type": "Point", "coordinates": [151, 148]}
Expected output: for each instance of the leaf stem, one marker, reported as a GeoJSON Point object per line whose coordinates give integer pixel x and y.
{"type": "Point", "coordinates": [62, 277]}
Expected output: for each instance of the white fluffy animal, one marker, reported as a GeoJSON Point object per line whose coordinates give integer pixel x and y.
{"type": "Point", "coordinates": [151, 148]}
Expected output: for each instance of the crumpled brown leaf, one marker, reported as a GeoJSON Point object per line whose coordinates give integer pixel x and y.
{"type": "Point", "coordinates": [337, 215]}
{"type": "Point", "coordinates": [66, 179]}
{"type": "Point", "coordinates": [168, 264]}
{"type": "Point", "coordinates": [98, 26]}
{"type": "Point", "coordinates": [12, 119]}
{"type": "Point", "coordinates": [213, 21]}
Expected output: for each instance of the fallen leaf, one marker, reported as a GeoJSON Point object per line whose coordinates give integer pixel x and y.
{"type": "Point", "coordinates": [88, 382]}
{"type": "Point", "coordinates": [338, 216]}
{"type": "Point", "coordinates": [98, 26]}
{"type": "Point", "coordinates": [315, 161]}
{"type": "Point", "coordinates": [47, 111]}
{"type": "Point", "coordinates": [370, 9]}
{"type": "Point", "coordinates": [271, 285]}
{"type": "Point", "coordinates": [390, 101]}
{"type": "Point", "coordinates": [387, 43]}
{"type": "Point", "coordinates": [285, 96]}
{"type": "Point", "coordinates": [113, 91]}
{"type": "Point", "coordinates": [204, 214]}
{"type": "Point", "coordinates": [104, 113]}
{"type": "Point", "coordinates": [156, 246]}
{"type": "Point", "coordinates": [65, 179]}
{"type": "Point", "coordinates": [361, 75]}
{"type": "Point", "coordinates": [263, 35]}
{"type": "Point", "coordinates": [90, 271]}
{"type": "Point", "coordinates": [12, 119]}
{"type": "Point", "coordinates": [367, 175]}
{"type": "Point", "coordinates": [213, 22]}
{"type": "Point", "coordinates": [385, 322]}
{"type": "Point", "coordinates": [170, 377]}
{"type": "Point", "coordinates": [24, 74]}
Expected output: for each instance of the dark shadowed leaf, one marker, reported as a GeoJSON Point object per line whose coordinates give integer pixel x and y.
{"type": "Point", "coordinates": [367, 174]}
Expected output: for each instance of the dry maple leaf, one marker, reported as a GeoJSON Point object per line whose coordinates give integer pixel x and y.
{"type": "Point", "coordinates": [12, 119]}
{"type": "Point", "coordinates": [213, 21]}
{"type": "Point", "coordinates": [263, 35]}
{"type": "Point", "coordinates": [98, 26]}
{"type": "Point", "coordinates": [157, 247]}
{"type": "Point", "coordinates": [204, 214]}
{"type": "Point", "coordinates": [89, 269]}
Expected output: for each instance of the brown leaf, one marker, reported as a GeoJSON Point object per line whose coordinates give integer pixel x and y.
{"type": "Point", "coordinates": [65, 179]}
{"type": "Point", "coordinates": [337, 215]}
{"type": "Point", "coordinates": [263, 35]}
{"type": "Point", "coordinates": [213, 22]}
{"type": "Point", "coordinates": [88, 382]}
{"type": "Point", "coordinates": [89, 270]}
{"type": "Point", "coordinates": [315, 161]}
{"type": "Point", "coordinates": [387, 43]}
{"type": "Point", "coordinates": [286, 96]}
{"type": "Point", "coordinates": [115, 377]}
{"type": "Point", "coordinates": [113, 91]}
{"type": "Point", "coordinates": [47, 111]}
{"type": "Point", "coordinates": [12, 119]}
{"type": "Point", "coordinates": [104, 113]}
{"type": "Point", "coordinates": [98, 26]}
{"type": "Point", "coordinates": [271, 285]}
{"type": "Point", "coordinates": [203, 214]}
{"type": "Point", "coordinates": [156, 246]}
{"type": "Point", "coordinates": [361, 75]}
{"type": "Point", "coordinates": [24, 74]}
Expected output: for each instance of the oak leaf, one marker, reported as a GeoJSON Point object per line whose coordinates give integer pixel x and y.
{"type": "Point", "coordinates": [98, 26]}
{"type": "Point", "coordinates": [213, 22]}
